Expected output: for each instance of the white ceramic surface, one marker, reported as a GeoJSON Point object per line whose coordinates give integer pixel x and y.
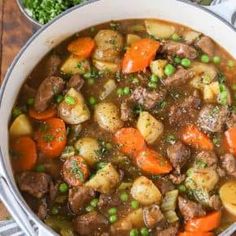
{"type": "Point", "coordinates": [73, 21]}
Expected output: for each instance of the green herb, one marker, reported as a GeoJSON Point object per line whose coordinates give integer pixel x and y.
{"type": "Point", "coordinates": [104, 148]}
{"type": "Point", "coordinates": [76, 170]}
{"type": "Point", "coordinates": [115, 25]}
{"type": "Point", "coordinates": [201, 164]}
{"type": "Point", "coordinates": [138, 109]}
{"type": "Point", "coordinates": [216, 141]}
{"type": "Point", "coordinates": [170, 139]}
{"type": "Point", "coordinates": [48, 138]}
{"type": "Point", "coordinates": [16, 112]}
{"type": "Point", "coordinates": [30, 101]}
{"type": "Point", "coordinates": [59, 98]}
{"type": "Point", "coordinates": [93, 74]}
{"type": "Point", "coordinates": [100, 165]}
{"type": "Point", "coordinates": [221, 78]}
{"type": "Point", "coordinates": [89, 208]}
{"type": "Point", "coordinates": [40, 168]}
{"type": "Point", "coordinates": [55, 210]}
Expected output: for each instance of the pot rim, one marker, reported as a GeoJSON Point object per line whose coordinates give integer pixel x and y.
{"type": "Point", "coordinates": [5, 174]}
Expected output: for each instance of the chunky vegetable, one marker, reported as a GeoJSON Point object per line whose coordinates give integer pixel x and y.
{"type": "Point", "coordinates": [190, 36]}
{"type": "Point", "coordinates": [108, 88]}
{"type": "Point", "coordinates": [44, 115]}
{"type": "Point", "coordinates": [132, 38]}
{"type": "Point", "coordinates": [106, 66]}
{"type": "Point", "coordinates": [157, 67]}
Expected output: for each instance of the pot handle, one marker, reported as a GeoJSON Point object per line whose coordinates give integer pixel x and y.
{"type": "Point", "coordinates": [8, 199]}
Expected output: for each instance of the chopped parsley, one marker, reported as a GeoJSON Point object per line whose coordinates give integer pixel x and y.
{"type": "Point", "coordinates": [76, 170]}
{"type": "Point", "coordinates": [201, 164]}
{"type": "Point", "coordinates": [48, 138]}
{"type": "Point", "coordinates": [171, 139]}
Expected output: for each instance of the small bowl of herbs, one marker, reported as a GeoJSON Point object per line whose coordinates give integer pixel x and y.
{"type": "Point", "coordinates": [40, 12]}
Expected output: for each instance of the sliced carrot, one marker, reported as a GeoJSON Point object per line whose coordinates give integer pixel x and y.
{"type": "Point", "coordinates": [24, 154]}
{"type": "Point", "coordinates": [51, 137]}
{"type": "Point", "coordinates": [192, 136]}
{"type": "Point", "coordinates": [44, 115]}
{"type": "Point", "coordinates": [152, 162]}
{"type": "Point", "coordinates": [82, 47]}
{"type": "Point", "coordinates": [130, 140]}
{"type": "Point", "coordinates": [195, 233]}
{"type": "Point", "coordinates": [139, 55]}
{"type": "Point", "coordinates": [75, 171]}
{"type": "Point", "coordinates": [205, 223]}
{"type": "Point", "coordinates": [230, 140]}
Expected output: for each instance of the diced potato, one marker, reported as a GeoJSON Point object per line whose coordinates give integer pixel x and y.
{"type": "Point", "coordinates": [149, 127]}
{"type": "Point", "coordinates": [215, 87]}
{"type": "Point", "coordinates": [108, 88]}
{"type": "Point", "coordinates": [132, 38]}
{"type": "Point", "coordinates": [190, 36]}
{"type": "Point", "coordinates": [160, 30]}
{"type": "Point", "coordinates": [21, 126]}
{"type": "Point", "coordinates": [88, 148]}
{"type": "Point", "coordinates": [105, 180]}
{"type": "Point", "coordinates": [73, 113]}
{"type": "Point", "coordinates": [208, 94]}
{"type": "Point", "coordinates": [197, 82]}
{"type": "Point", "coordinates": [157, 67]}
{"type": "Point", "coordinates": [145, 191]}
{"type": "Point", "coordinates": [106, 66]}
{"type": "Point", "coordinates": [107, 115]}
{"type": "Point", "coordinates": [74, 65]}
{"type": "Point", "coordinates": [228, 196]}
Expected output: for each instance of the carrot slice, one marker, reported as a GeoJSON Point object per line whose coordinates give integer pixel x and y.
{"type": "Point", "coordinates": [75, 171]}
{"type": "Point", "coordinates": [230, 140]}
{"type": "Point", "coordinates": [82, 47]}
{"type": "Point", "coordinates": [44, 115]}
{"type": "Point", "coordinates": [130, 140]}
{"type": "Point", "coordinates": [192, 136]}
{"type": "Point", "coordinates": [139, 55]}
{"type": "Point", "coordinates": [152, 162]}
{"type": "Point", "coordinates": [205, 223]}
{"type": "Point", "coordinates": [24, 154]}
{"type": "Point", "coordinates": [195, 233]}
{"type": "Point", "coordinates": [51, 137]}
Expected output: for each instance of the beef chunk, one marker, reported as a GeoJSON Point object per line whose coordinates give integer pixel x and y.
{"type": "Point", "coordinates": [126, 111]}
{"type": "Point", "coordinates": [177, 178]}
{"type": "Point", "coordinates": [36, 184]}
{"type": "Point", "coordinates": [164, 185]}
{"type": "Point", "coordinates": [108, 200]}
{"type": "Point", "coordinates": [52, 65]}
{"type": "Point", "coordinates": [206, 159]}
{"type": "Point", "coordinates": [152, 215]}
{"type": "Point", "coordinates": [206, 45]}
{"type": "Point", "coordinates": [80, 197]}
{"type": "Point", "coordinates": [148, 99]}
{"type": "Point", "coordinates": [190, 209]}
{"type": "Point", "coordinates": [170, 231]}
{"type": "Point", "coordinates": [178, 155]}
{"type": "Point", "coordinates": [212, 118]}
{"type": "Point", "coordinates": [215, 202]}
{"type": "Point", "coordinates": [228, 162]}
{"type": "Point", "coordinates": [179, 49]}
{"type": "Point", "coordinates": [50, 87]}
{"type": "Point", "coordinates": [184, 111]}
{"type": "Point", "coordinates": [75, 82]}
{"type": "Point", "coordinates": [181, 76]}
{"type": "Point", "coordinates": [42, 210]}
{"type": "Point", "coordinates": [90, 223]}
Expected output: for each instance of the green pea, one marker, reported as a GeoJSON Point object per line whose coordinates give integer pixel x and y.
{"type": "Point", "coordinates": [94, 202]}
{"type": "Point", "coordinates": [230, 63]}
{"type": "Point", "coordinates": [182, 188]}
{"type": "Point", "coordinates": [216, 59]}
{"type": "Point", "coordinates": [113, 219]}
{"type": "Point", "coordinates": [124, 197]}
{"type": "Point", "coordinates": [40, 168]}
{"type": "Point", "coordinates": [177, 60]}
{"type": "Point", "coordinates": [108, 146]}
{"type": "Point", "coordinates": [16, 112]}
{"type": "Point", "coordinates": [120, 92]}
{"type": "Point", "coordinates": [133, 232]}
{"type": "Point", "coordinates": [63, 188]}
{"type": "Point", "coordinates": [175, 37]}
{"type": "Point", "coordinates": [152, 85]}
{"type": "Point", "coordinates": [70, 100]}
{"type": "Point", "coordinates": [134, 204]}
{"type": "Point", "coordinates": [59, 98]}
{"type": "Point", "coordinates": [154, 78]}
{"type": "Point", "coordinates": [205, 58]}
{"type": "Point", "coordinates": [169, 70]}
{"type": "Point", "coordinates": [144, 231]}
{"type": "Point", "coordinates": [30, 101]}
{"type": "Point", "coordinates": [112, 211]}
{"type": "Point", "coordinates": [92, 101]}
{"type": "Point", "coordinates": [91, 81]}
{"type": "Point", "coordinates": [186, 62]}
{"type": "Point", "coordinates": [55, 210]}
{"type": "Point", "coordinates": [126, 91]}
{"type": "Point", "coordinates": [89, 208]}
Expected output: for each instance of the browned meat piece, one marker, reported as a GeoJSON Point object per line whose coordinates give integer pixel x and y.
{"type": "Point", "coordinates": [184, 111]}
{"type": "Point", "coordinates": [90, 223]}
{"type": "Point", "coordinates": [126, 112]}
{"type": "Point", "coordinates": [179, 49]}
{"type": "Point", "coordinates": [50, 87]}
{"type": "Point", "coordinates": [42, 210]}
{"type": "Point", "coordinates": [146, 98]}
{"type": "Point", "coordinates": [206, 45]}
{"type": "Point", "coordinates": [221, 172]}
{"type": "Point", "coordinates": [212, 118]}
{"type": "Point", "coordinates": [170, 231]}
{"type": "Point", "coordinates": [36, 184]}
{"type": "Point", "coordinates": [190, 209]}
{"type": "Point", "coordinates": [231, 122]}
{"type": "Point", "coordinates": [178, 155]}
{"type": "Point", "coordinates": [79, 198]}
{"type": "Point", "coordinates": [75, 82]}
{"type": "Point", "coordinates": [177, 178]}
{"type": "Point", "coordinates": [164, 185]}
{"type": "Point", "coordinates": [215, 202]}
{"type": "Point", "coordinates": [206, 159]}
{"type": "Point", "coordinates": [108, 200]}
{"type": "Point", "coordinates": [228, 162]}
{"type": "Point", "coordinates": [52, 65]}
{"type": "Point", "coordinates": [181, 76]}
{"type": "Point", "coordinates": [152, 215]}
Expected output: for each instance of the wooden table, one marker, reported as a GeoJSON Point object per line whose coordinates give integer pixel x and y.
{"type": "Point", "coordinates": [15, 30]}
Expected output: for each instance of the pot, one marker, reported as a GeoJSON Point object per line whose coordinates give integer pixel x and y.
{"type": "Point", "coordinates": [67, 24]}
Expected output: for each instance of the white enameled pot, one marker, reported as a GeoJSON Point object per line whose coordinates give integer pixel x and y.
{"type": "Point", "coordinates": [65, 25]}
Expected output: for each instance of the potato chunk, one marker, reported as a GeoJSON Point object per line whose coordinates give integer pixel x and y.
{"type": "Point", "coordinates": [132, 38]}
{"type": "Point", "coordinates": [75, 111]}
{"type": "Point", "coordinates": [157, 67]}
{"type": "Point", "coordinates": [145, 191]}
{"type": "Point", "coordinates": [149, 127]}
{"type": "Point", "coordinates": [21, 126]}
{"type": "Point", "coordinates": [106, 66]}
{"type": "Point", "coordinates": [105, 179]}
